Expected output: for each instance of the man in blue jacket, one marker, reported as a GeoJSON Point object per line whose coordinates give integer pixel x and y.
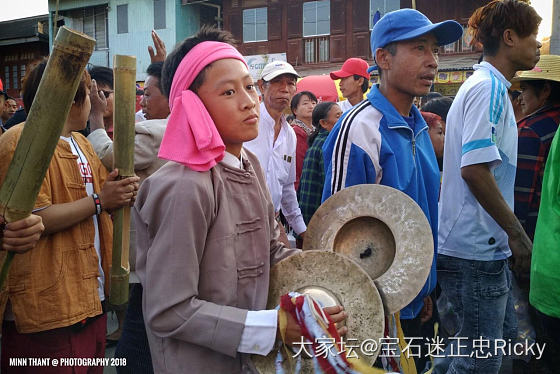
{"type": "Point", "coordinates": [384, 139]}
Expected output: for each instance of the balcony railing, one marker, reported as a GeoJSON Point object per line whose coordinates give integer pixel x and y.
{"type": "Point", "coordinates": [316, 49]}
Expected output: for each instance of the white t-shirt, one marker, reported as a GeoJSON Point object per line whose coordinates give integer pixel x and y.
{"type": "Point", "coordinates": [345, 105]}
{"type": "Point", "coordinates": [87, 176]}
{"type": "Point", "coordinates": [480, 128]}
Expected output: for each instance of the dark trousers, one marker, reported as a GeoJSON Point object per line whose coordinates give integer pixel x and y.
{"type": "Point", "coordinates": [133, 344]}
{"type": "Point", "coordinates": [79, 341]}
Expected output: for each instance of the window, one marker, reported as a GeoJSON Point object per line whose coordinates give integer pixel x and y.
{"type": "Point", "coordinates": [15, 79]}
{"type": "Point", "coordinates": [317, 18]}
{"type": "Point", "coordinates": [21, 73]}
{"type": "Point", "coordinates": [7, 77]}
{"type": "Point", "coordinates": [122, 19]}
{"type": "Point", "coordinates": [93, 22]}
{"type": "Point", "coordinates": [255, 25]}
{"type": "Point", "coordinates": [383, 6]}
{"type": "Point", "coordinates": [159, 14]}
{"type": "Point", "coordinates": [461, 45]}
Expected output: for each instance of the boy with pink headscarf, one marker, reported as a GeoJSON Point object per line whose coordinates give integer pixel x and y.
{"type": "Point", "coordinates": [206, 229]}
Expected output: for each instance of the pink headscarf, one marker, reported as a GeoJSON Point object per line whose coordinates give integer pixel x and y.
{"type": "Point", "coordinates": [191, 137]}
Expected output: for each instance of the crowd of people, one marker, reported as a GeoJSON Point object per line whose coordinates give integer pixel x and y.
{"type": "Point", "coordinates": [226, 175]}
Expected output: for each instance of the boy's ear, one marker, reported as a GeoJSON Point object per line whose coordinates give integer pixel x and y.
{"type": "Point", "coordinates": [509, 37]}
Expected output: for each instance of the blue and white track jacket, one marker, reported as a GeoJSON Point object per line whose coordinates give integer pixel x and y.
{"type": "Point", "coordinates": [372, 143]}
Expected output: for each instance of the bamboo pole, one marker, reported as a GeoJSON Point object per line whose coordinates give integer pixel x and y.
{"type": "Point", "coordinates": [41, 132]}
{"type": "Point", "coordinates": [124, 71]}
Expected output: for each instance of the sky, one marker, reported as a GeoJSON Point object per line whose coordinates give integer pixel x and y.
{"type": "Point", "coordinates": [28, 8]}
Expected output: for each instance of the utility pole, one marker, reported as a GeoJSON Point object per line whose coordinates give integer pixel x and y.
{"type": "Point", "coordinates": [555, 31]}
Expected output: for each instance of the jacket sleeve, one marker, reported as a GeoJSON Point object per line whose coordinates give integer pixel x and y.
{"type": "Point", "coordinates": [351, 157]}
{"type": "Point", "coordinates": [103, 147]}
{"type": "Point", "coordinates": [171, 237]}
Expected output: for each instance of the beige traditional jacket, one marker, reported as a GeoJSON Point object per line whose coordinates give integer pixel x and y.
{"type": "Point", "coordinates": [205, 242]}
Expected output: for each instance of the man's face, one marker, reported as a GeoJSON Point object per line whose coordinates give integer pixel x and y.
{"type": "Point", "coordinates": [110, 96]}
{"type": "Point", "coordinates": [526, 51]}
{"type": "Point", "coordinates": [11, 106]}
{"type": "Point", "coordinates": [350, 86]}
{"type": "Point", "coordinates": [154, 104]}
{"type": "Point", "coordinates": [412, 70]}
{"type": "Point", "coordinates": [278, 92]}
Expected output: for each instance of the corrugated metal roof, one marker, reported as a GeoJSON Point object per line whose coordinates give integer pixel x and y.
{"type": "Point", "coordinates": [22, 28]}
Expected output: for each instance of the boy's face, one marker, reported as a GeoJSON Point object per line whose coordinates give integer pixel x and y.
{"type": "Point", "coordinates": [350, 86]}
{"type": "Point", "coordinates": [412, 70]}
{"type": "Point", "coordinates": [526, 51]}
{"type": "Point", "coordinates": [229, 94]}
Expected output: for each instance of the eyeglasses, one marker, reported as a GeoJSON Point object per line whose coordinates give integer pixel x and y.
{"type": "Point", "coordinates": [107, 93]}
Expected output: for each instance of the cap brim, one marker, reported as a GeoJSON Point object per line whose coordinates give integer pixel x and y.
{"type": "Point", "coordinates": [340, 74]}
{"type": "Point", "coordinates": [275, 74]}
{"type": "Point", "coordinates": [446, 32]}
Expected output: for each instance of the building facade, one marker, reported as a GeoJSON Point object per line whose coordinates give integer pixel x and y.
{"type": "Point", "coordinates": [124, 26]}
{"type": "Point", "coordinates": [318, 36]}
{"type": "Point", "coordinates": [22, 42]}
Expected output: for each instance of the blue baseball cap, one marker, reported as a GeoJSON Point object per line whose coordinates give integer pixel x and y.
{"type": "Point", "coordinates": [405, 24]}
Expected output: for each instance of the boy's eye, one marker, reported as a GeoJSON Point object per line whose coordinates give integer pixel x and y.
{"type": "Point", "coordinates": [229, 92]}
{"type": "Point", "coordinates": [250, 87]}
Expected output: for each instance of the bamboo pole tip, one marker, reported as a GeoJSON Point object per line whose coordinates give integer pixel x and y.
{"type": "Point", "coordinates": [124, 62]}
{"type": "Point", "coordinates": [72, 39]}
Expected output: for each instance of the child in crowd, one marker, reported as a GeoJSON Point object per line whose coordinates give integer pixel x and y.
{"type": "Point", "coordinates": [206, 228]}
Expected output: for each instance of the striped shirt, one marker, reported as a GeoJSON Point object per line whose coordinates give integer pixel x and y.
{"type": "Point", "coordinates": [535, 137]}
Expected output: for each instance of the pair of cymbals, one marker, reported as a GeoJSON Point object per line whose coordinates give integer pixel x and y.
{"type": "Point", "coordinates": [368, 248]}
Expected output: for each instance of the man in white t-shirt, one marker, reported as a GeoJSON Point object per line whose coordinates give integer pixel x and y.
{"type": "Point", "coordinates": [354, 82]}
{"type": "Point", "coordinates": [478, 230]}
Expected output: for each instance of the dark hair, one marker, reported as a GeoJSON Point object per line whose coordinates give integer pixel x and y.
{"type": "Point", "coordinates": [488, 23]}
{"type": "Point", "coordinates": [439, 106]}
{"type": "Point", "coordinates": [102, 75]}
{"type": "Point", "coordinates": [32, 80]}
{"type": "Point", "coordinates": [154, 69]}
{"type": "Point", "coordinates": [428, 97]}
{"type": "Point", "coordinates": [365, 83]}
{"type": "Point", "coordinates": [321, 111]}
{"type": "Point", "coordinates": [538, 87]}
{"type": "Point", "coordinates": [171, 63]}
{"type": "Point", "coordinates": [297, 98]}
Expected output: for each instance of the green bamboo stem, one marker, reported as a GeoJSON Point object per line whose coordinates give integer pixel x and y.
{"type": "Point", "coordinates": [124, 70]}
{"type": "Point", "coordinates": [41, 132]}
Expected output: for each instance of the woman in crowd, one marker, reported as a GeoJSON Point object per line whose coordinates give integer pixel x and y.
{"type": "Point", "coordinates": [437, 135]}
{"type": "Point", "coordinates": [325, 116]}
{"type": "Point", "coordinates": [302, 107]}
{"type": "Point", "coordinates": [540, 101]}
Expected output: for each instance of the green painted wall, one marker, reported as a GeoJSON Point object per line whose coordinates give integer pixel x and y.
{"type": "Point", "coordinates": [187, 20]}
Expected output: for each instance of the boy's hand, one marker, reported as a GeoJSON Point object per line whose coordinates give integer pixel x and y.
{"type": "Point", "coordinates": [21, 236]}
{"type": "Point", "coordinates": [118, 193]}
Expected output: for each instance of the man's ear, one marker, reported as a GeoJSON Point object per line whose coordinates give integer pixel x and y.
{"type": "Point", "coordinates": [509, 37]}
{"type": "Point", "coordinates": [383, 58]}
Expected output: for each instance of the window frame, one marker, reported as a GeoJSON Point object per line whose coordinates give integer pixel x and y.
{"type": "Point", "coordinates": [163, 8]}
{"type": "Point", "coordinates": [257, 40]}
{"type": "Point", "coordinates": [122, 18]}
{"type": "Point", "coordinates": [315, 2]}
{"type": "Point", "coordinates": [372, 12]}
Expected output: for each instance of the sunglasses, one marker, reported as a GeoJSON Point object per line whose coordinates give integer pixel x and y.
{"type": "Point", "coordinates": [107, 93]}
